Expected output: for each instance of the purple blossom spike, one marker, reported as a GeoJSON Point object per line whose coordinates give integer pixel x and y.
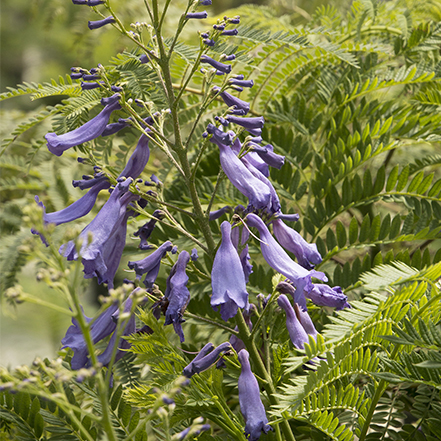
{"type": "Point", "coordinates": [324, 295]}
{"type": "Point", "coordinates": [100, 23]}
{"type": "Point", "coordinates": [231, 101]}
{"type": "Point", "coordinates": [78, 209]}
{"type": "Point", "coordinates": [306, 253]}
{"type": "Point", "coordinates": [138, 160]}
{"type": "Point", "coordinates": [250, 403]}
{"type": "Point", "coordinates": [218, 213]}
{"type": "Point", "coordinates": [225, 68]}
{"type": "Point", "coordinates": [177, 294]}
{"type": "Point", "coordinates": [257, 192]}
{"type": "Point", "coordinates": [219, 136]}
{"type": "Point", "coordinates": [230, 32]}
{"type": "Point", "coordinates": [227, 277]}
{"type": "Point", "coordinates": [150, 265]}
{"type": "Point", "coordinates": [297, 333]}
{"type": "Point", "coordinates": [205, 359]}
{"type": "Point", "coordinates": [57, 144]}
{"type": "Point", "coordinates": [278, 259]}
{"type": "Point", "coordinates": [241, 83]}
{"type": "Point", "coordinates": [197, 15]}
{"type": "Point", "coordinates": [247, 123]}
{"type": "Point", "coordinates": [146, 230]}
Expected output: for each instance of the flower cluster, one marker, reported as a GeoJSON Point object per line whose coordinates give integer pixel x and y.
{"type": "Point", "coordinates": [246, 160]}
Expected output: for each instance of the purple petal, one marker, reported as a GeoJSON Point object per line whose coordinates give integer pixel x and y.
{"type": "Point", "coordinates": [224, 68]}
{"type": "Point", "coordinates": [296, 331]}
{"type": "Point", "coordinates": [227, 277]}
{"type": "Point", "coordinates": [138, 160]}
{"type": "Point", "coordinates": [57, 144]}
{"type": "Point", "coordinates": [250, 402]}
{"type": "Point", "coordinates": [100, 23]}
{"type": "Point", "coordinates": [197, 15]}
{"type": "Point", "coordinates": [306, 253]}
{"type": "Point", "coordinates": [324, 295]}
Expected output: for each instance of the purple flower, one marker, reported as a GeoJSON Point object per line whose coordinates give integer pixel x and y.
{"type": "Point", "coordinates": [177, 294]}
{"type": "Point", "coordinates": [267, 154]}
{"type": "Point", "coordinates": [205, 359]}
{"type": "Point", "coordinates": [205, 2]}
{"type": "Point", "coordinates": [241, 82]}
{"type": "Point", "coordinates": [256, 191]}
{"type": "Point", "coordinates": [90, 86]}
{"type": "Point", "coordinates": [274, 206]}
{"type": "Point", "coordinates": [79, 208]}
{"type": "Point", "coordinates": [288, 217]}
{"type": "Point", "coordinates": [219, 136]}
{"type": "Point", "coordinates": [227, 277]}
{"type": "Point", "coordinates": [306, 253]}
{"type": "Point", "coordinates": [99, 235]}
{"type": "Point", "coordinates": [57, 144]}
{"type": "Point", "coordinates": [278, 259]}
{"type": "Point", "coordinates": [150, 264]}
{"type": "Point", "coordinates": [194, 255]}
{"type": "Point", "coordinates": [102, 327]}
{"type": "Point", "coordinates": [297, 332]}
{"type": "Point", "coordinates": [306, 322]}
{"type": "Point", "coordinates": [209, 42]}
{"type": "Point", "coordinates": [240, 106]}
{"type": "Point", "coordinates": [197, 15]}
{"type": "Point", "coordinates": [138, 160]}
{"type": "Point", "coordinates": [76, 75]}
{"type": "Point", "coordinates": [255, 160]}
{"type": "Point", "coordinates": [250, 403]}
{"type": "Point", "coordinates": [146, 230]}
{"type": "Point", "coordinates": [100, 23]}
{"type": "Point", "coordinates": [218, 213]}
{"type": "Point", "coordinates": [324, 295]}
{"type": "Point", "coordinates": [115, 127]}
{"type": "Point", "coordinates": [225, 68]}
{"type": "Point", "coordinates": [247, 123]}
{"type": "Point", "coordinates": [91, 77]}
{"type": "Point", "coordinates": [230, 32]}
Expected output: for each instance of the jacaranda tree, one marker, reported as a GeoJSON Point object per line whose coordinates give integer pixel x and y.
{"type": "Point", "coordinates": [271, 191]}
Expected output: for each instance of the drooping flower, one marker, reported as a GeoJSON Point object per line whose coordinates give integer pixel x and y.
{"type": "Point", "coordinates": [100, 233]}
{"type": "Point", "coordinates": [206, 357]}
{"type": "Point", "coordinates": [57, 144]}
{"type": "Point", "coordinates": [297, 332]}
{"type": "Point", "coordinates": [230, 32]}
{"type": "Point", "coordinates": [241, 82]}
{"type": "Point", "coordinates": [113, 128]}
{"type": "Point", "coordinates": [79, 208]}
{"type": "Point", "coordinates": [150, 265]}
{"type": "Point", "coordinates": [324, 295]}
{"type": "Point", "coordinates": [221, 67]}
{"type": "Point", "coordinates": [227, 277]}
{"type": "Point", "coordinates": [247, 123]}
{"type": "Point", "coordinates": [194, 255]}
{"type": "Point", "coordinates": [278, 259]}
{"type": "Point", "coordinates": [220, 137]}
{"type": "Point", "coordinates": [267, 154]}
{"type": "Point", "coordinates": [306, 253]}
{"type": "Point", "coordinates": [138, 160]}
{"type": "Point", "coordinates": [250, 402]}
{"type": "Point", "coordinates": [257, 192]}
{"type": "Point", "coordinates": [100, 23]}
{"type": "Point", "coordinates": [177, 294]}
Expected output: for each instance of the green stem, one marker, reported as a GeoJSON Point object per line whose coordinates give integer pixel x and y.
{"type": "Point", "coordinates": [31, 299]}
{"type": "Point", "coordinates": [245, 336]}
{"type": "Point", "coordinates": [211, 322]}
{"type": "Point", "coordinates": [368, 30]}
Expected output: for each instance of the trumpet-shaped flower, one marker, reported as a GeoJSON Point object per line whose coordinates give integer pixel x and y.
{"type": "Point", "coordinates": [57, 144]}
{"type": "Point", "coordinates": [278, 259]}
{"type": "Point", "coordinates": [297, 332]}
{"type": "Point", "coordinates": [224, 68]}
{"type": "Point", "coordinates": [257, 192]}
{"type": "Point", "coordinates": [324, 295]}
{"type": "Point", "coordinates": [100, 23]}
{"type": "Point", "coordinates": [241, 107]}
{"type": "Point", "coordinates": [306, 253]}
{"type": "Point", "coordinates": [206, 357]}
{"type": "Point", "coordinates": [250, 402]}
{"type": "Point", "coordinates": [177, 294]}
{"type": "Point", "coordinates": [227, 277]}
{"type": "Point", "coordinates": [150, 265]}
